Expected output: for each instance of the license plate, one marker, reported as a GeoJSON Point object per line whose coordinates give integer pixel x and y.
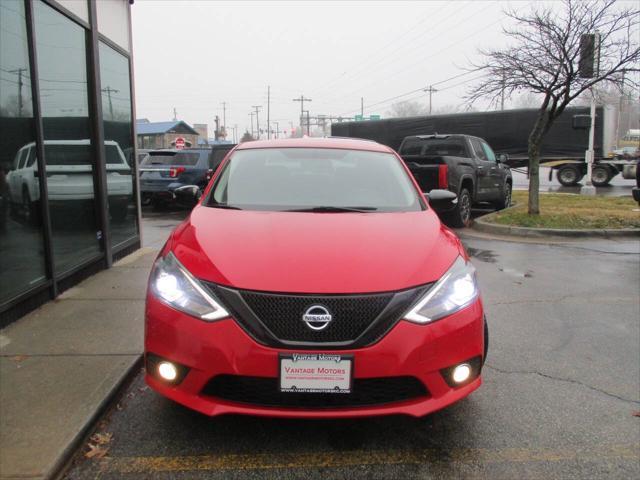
{"type": "Point", "coordinates": [316, 373]}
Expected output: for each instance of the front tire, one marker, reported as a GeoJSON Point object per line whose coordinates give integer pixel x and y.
{"type": "Point", "coordinates": [460, 217]}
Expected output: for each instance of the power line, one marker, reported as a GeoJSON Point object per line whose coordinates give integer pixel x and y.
{"type": "Point", "coordinates": [435, 35]}
{"type": "Point", "coordinates": [404, 34]}
{"type": "Point", "coordinates": [418, 62]}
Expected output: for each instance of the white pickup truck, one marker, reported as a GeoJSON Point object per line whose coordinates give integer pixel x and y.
{"type": "Point", "coordinates": [69, 176]}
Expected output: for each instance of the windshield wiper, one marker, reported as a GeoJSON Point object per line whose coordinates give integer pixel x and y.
{"type": "Point", "coordinates": [332, 209]}
{"type": "Point", "coordinates": [224, 205]}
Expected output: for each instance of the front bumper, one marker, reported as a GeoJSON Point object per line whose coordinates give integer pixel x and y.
{"type": "Point", "coordinates": [223, 348]}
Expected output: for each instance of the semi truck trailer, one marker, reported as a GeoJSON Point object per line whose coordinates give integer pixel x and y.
{"type": "Point", "coordinates": [507, 131]}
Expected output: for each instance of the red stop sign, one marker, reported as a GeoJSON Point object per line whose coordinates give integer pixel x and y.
{"type": "Point", "coordinates": [179, 143]}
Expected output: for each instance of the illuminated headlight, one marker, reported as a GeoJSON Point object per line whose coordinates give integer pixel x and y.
{"type": "Point", "coordinates": [455, 290]}
{"type": "Point", "coordinates": [174, 285]}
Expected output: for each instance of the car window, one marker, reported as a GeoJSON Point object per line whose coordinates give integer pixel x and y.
{"type": "Point", "coordinates": [113, 155]}
{"type": "Point", "coordinates": [68, 154]}
{"type": "Point", "coordinates": [216, 157]}
{"type": "Point", "coordinates": [477, 148]}
{"type": "Point", "coordinates": [172, 158]}
{"type": "Point", "coordinates": [278, 179]}
{"type": "Point", "coordinates": [488, 152]}
{"type": "Point", "coordinates": [23, 157]}
{"type": "Point", "coordinates": [32, 156]}
{"type": "Point", "coordinates": [412, 146]}
{"type": "Point", "coordinates": [453, 147]}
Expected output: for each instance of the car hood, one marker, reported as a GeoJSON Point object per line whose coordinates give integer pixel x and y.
{"type": "Point", "coordinates": [299, 252]}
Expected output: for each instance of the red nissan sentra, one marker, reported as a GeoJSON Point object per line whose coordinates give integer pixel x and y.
{"type": "Point", "coordinates": [314, 279]}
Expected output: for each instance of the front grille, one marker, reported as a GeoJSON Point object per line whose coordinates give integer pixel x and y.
{"type": "Point", "coordinates": [264, 391]}
{"type": "Point", "coordinates": [275, 319]}
{"type": "Point", "coordinates": [282, 315]}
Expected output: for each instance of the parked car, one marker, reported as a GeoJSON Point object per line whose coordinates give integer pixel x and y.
{"type": "Point", "coordinates": [163, 171]}
{"type": "Point", "coordinates": [627, 153]}
{"type": "Point", "coordinates": [69, 177]}
{"type": "Point", "coordinates": [465, 165]}
{"type": "Point", "coordinates": [142, 154]}
{"type": "Point", "coordinates": [313, 279]}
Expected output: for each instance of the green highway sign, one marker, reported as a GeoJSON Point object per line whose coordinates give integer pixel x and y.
{"type": "Point", "coordinates": [360, 118]}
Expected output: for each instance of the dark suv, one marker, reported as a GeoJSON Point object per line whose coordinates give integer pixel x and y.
{"type": "Point", "coordinates": [162, 171]}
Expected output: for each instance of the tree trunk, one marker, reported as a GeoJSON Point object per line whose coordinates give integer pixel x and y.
{"type": "Point", "coordinates": [534, 179]}
{"type": "Point", "coordinates": [535, 139]}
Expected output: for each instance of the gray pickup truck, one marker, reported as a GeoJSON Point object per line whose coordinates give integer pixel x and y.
{"type": "Point", "coordinates": [462, 164]}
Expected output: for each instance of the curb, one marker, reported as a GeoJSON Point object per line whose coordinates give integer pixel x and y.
{"type": "Point", "coordinates": [480, 224]}
{"type": "Point", "coordinates": [65, 458]}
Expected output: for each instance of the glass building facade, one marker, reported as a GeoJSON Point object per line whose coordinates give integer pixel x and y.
{"type": "Point", "coordinates": [69, 204]}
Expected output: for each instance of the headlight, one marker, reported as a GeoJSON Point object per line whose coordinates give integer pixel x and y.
{"type": "Point", "coordinates": [455, 290]}
{"type": "Point", "coordinates": [174, 285]}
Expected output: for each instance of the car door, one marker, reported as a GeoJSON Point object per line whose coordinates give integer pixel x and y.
{"type": "Point", "coordinates": [496, 172]}
{"type": "Point", "coordinates": [484, 169]}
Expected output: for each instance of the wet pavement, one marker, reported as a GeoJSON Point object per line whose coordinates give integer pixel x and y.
{"type": "Point", "coordinates": [617, 188]}
{"type": "Point", "coordinates": [560, 399]}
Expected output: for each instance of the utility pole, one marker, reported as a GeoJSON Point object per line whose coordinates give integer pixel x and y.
{"type": "Point", "coordinates": [268, 112]}
{"type": "Point", "coordinates": [251, 115]}
{"type": "Point", "coordinates": [19, 71]}
{"type": "Point", "coordinates": [108, 90]}
{"type": "Point", "coordinates": [431, 91]}
{"type": "Point", "coordinates": [257, 107]}
{"type": "Point", "coordinates": [362, 107]}
{"type": "Point", "coordinates": [217, 131]}
{"type": "Point", "coordinates": [224, 116]}
{"type": "Point", "coordinates": [175, 114]}
{"type": "Point", "coordinates": [302, 99]}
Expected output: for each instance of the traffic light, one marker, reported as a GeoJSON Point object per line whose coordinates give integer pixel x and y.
{"type": "Point", "coordinates": [588, 65]}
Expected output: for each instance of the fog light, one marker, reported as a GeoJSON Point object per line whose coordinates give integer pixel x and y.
{"type": "Point", "coordinates": [167, 371]}
{"type": "Point", "coordinates": [461, 373]}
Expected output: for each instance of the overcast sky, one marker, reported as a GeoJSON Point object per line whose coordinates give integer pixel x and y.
{"type": "Point", "coordinates": [195, 55]}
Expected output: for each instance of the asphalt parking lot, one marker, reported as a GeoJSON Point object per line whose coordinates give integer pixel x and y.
{"type": "Point", "coordinates": [561, 393]}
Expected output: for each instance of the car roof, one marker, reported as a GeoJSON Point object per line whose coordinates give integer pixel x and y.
{"type": "Point", "coordinates": [69, 142]}
{"type": "Point", "coordinates": [317, 142]}
{"type": "Point", "coordinates": [438, 136]}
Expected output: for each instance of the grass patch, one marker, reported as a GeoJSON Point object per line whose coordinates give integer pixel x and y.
{"type": "Point", "coordinates": [561, 210]}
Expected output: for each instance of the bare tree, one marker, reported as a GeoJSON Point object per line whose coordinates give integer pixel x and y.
{"type": "Point", "coordinates": [247, 137]}
{"type": "Point", "coordinates": [543, 57]}
{"type": "Point", "coordinates": [408, 108]}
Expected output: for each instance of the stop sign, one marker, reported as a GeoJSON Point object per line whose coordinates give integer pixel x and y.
{"type": "Point", "coordinates": [179, 143]}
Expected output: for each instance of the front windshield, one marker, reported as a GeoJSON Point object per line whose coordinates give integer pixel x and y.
{"type": "Point", "coordinates": [281, 179]}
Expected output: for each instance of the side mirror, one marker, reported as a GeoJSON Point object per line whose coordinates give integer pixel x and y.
{"type": "Point", "coordinates": [442, 200]}
{"type": "Point", "coordinates": [502, 158]}
{"type": "Point", "coordinates": [189, 195]}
